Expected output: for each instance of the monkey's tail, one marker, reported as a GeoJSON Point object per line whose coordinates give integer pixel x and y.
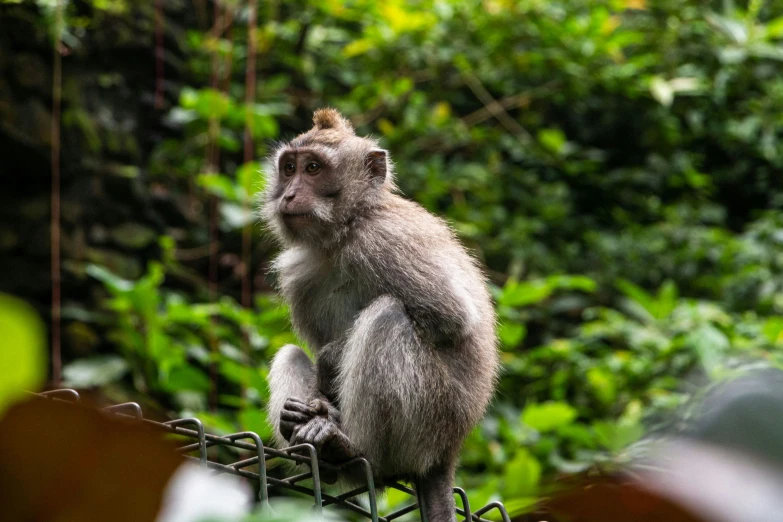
{"type": "Point", "coordinates": [436, 497]}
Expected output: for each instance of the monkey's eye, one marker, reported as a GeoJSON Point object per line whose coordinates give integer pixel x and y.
{"type": "Point", "coordinates": [312, 168]}
{"type": "Point", "coordinates": [289, 168]}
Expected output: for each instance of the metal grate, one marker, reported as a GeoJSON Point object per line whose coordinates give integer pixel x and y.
{"type": "Point", "coordinates": [200, 441]}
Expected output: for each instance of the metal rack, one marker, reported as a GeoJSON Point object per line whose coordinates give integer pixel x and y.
{"type": "Point", "coordinates": [199, 441]}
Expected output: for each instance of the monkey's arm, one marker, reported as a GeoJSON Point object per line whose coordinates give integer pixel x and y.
{"type": "Point", "coordinates": [433, 296]}
{"type": "Point", "coordinates": [413, 257]}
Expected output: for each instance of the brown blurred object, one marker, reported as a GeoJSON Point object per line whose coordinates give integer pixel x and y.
{"type": "Point", "coordinates": [62, 462]}
{"type": "Point", "coordinates": [615, 500]}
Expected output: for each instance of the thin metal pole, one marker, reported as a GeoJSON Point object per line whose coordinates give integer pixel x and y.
{"type": "Point", "coordinates": [420, 501]}
{"type": "Point", "coordinates": [159, 54]}
{"type": "Point", "coordinates": [212, 160]}
{"type": "Point", "coordinates": [55, 202]}
{"type": "Point", "coordinates": [250, 96]}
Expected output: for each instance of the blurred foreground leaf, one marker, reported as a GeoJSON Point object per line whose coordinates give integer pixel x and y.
{"type": "Point", "coordinates": [21, 351]}
{"type": "Point", "coordinates": [606, 500]}
{"type": "Point", "coordinates": [63, 462]}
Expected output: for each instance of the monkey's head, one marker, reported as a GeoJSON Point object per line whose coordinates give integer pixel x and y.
{"type": "Point", "coordinates": [320, 181]}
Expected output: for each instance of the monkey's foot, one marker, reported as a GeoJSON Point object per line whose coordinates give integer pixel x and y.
{"type": "Point", "coordinates": [331, 443]}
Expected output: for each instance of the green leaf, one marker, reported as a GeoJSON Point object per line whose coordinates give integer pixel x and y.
{"type": "Point", "coordinates": [773, 330]}
{"type": "Point", "coordinates": [710, 345]}
{"type": "Point", "coordinates": [133, 235]}
{"type": "Point", "coordinates": [522, 475]}
{"type": "Point", "coordinates": [188, 98]}
{"type": "Point", "coordinates": [666, 301]}
{"type": "Point", "coordinates": [524, 293]}
{"type": "Point", "coordinates": [357, 47]}
{"type": "Point", "coordinates": [572, 282]}
{"type": "Point", "coordinates": [187, 378]}
{"type": "Point", "coordinates": [113, 282]}
{"type": "Point", "coordinates": [661, 91]}
{"type": "Point", "coordinates": [218, 185]}
{"type": "Point", "coordinates": [548, 416]}
{"type": "Point", "coordinates": [486, 493]}
{"type": "Point", "coordinates": [774, 28]}
{"type": "Point", "coordinates": [254, 419]}
{"type": "Point", "coordinates": [602, 381]}
{"type": "Point", "coordinates": [250, 180]}
{"type": "Point", "coordinates": [616, 436]}
{"type": "Point", "coordinates": [515, 506]}
{"type": "Point", "coordinates": [552, 140]}
{"type": "Point", "coordinates": [22, 355]}
{"type": "Point", "coordinates": [211, 103]}
{"type": "Point", "coordinates": [644, 301]}
{"type": "Point", "coordinates": [96, 371]}
{"type": "Point", "coordinates": [511, 334]}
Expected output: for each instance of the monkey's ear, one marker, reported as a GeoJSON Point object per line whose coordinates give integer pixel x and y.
{"type": "Point", "coordinates": [376, 164]}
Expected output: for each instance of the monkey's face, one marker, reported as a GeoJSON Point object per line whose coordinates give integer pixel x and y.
{"type": "Point", "coordinates": [321, 180]}
{"type": "Point", "coordinates": [308, 188]}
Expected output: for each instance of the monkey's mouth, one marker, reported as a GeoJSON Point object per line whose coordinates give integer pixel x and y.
{"type": "Point", "coordinates": [297, 216]}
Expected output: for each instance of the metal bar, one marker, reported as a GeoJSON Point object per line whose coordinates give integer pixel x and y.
{"type": "Point", "coordinates": [474, 518]}
{"type": "Point", "coordinates": [247, 462]}
{"type": "Point", "coordinates": [301, 454]}
{"type": "Point", "coordinates": [370, 488]}
{"type": "Point", "coordinates": [404, 489]}
{"type": "Point", "coordinates": [401, 512]}
{"type": "Point", "coordinates": [132, 406]}
{"type": "Point", "coordinates": [309, 448]}
{"type": "Point", "coordinates": [55, 394]}
{"type": "Point", "coordinates": [489, 507]}
{"type": "Point", "coordinates": [263, 494]}
{"type": "Point", "coordinates": [202, 441]}
{"type": "Point", "coordinates": [299, 478]}
{"type": "Point", "coordinates": [419, 501]}
{"type": "Point", "coordinates": [348, 495]}
{"type": "Point", "coordinates": [465, 502]}
{"type": "Point", "coordinates": [273, 482]}
{"type": "Point", "coordinates": [329, 499]}
{"type": "Point", "coordinates": [213, 440]}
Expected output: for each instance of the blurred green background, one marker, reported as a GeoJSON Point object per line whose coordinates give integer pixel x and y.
{"type": "Point", "coordinates": [616, 165]}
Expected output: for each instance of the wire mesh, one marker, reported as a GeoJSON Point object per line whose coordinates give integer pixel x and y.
{"type": "Point", "coordinates": [197, 442]}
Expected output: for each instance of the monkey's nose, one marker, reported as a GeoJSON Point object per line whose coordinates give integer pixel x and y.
{"type": "Point", "coordinates": [289, 196]}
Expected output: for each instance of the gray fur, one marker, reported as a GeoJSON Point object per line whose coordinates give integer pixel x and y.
{"type": "Point", "coordinates": [396, 311]}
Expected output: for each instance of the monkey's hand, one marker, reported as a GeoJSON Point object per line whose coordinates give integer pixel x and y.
{"type": "Point", "coordinates": [331, 443]}
{"type": "Point", "coordinates": [295, 414]}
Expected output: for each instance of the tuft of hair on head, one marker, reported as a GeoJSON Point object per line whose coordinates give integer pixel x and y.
{"type": "Point", "coordinates": [329, 118]}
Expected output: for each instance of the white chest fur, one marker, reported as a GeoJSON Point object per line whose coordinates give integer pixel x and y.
{"type": "Point", "coordinates": [324, 299]}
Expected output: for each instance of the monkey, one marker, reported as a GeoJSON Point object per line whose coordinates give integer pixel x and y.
{"type": "Point", "coordinates": [394, 308]}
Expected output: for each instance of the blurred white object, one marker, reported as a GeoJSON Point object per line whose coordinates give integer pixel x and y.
{"type": "Point", "coordinates": [195, 494]}
{"type": "Point", "coordinates": [718, 484]}
{"type": "Point", "coordinates": [729, 467]}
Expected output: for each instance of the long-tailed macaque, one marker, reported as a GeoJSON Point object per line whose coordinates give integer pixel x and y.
{"type": "Point", "coordinates": [394, 308]}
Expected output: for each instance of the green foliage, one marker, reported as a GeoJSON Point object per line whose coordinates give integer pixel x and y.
{"type": "Point", "coordinates": [169, 345]}
{"type": "Point", "coordinates": [614, 164]}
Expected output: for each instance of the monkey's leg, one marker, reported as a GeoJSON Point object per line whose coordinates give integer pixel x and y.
{"type": "Point", "coordinates": [435, 493]}
{"type": "Point", "coordinates": [396, 398]}
{"type": "Point", "coordinates": [291, 388]}
{"type": "Point", "coordinates": [294, 400]}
